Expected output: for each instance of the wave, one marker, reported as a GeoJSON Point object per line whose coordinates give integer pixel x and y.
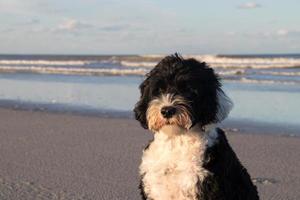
{"type": "Point", "coordinates": [264, 81]}
{"type": "Point", "coordinates": [69, 70]}
{"type": "Point", "coordinates": [231, 75]}
{"type": "Point", "coordinates": [149, 61]}
{"type": "Point", "coordinates": [226, 62]}
{"type": "Point", "coordinates": [45, 62]}
{"type": "Point", "coordinates": [138, 64]}
{"type": "Point", "coordinates": [153, 56]}
{"type": "Point", "coordinates": [280, 73]}
{"type": "Point", "coordinates": [231, 72]}
{"type": "Point", "coordinates": [253, 62]}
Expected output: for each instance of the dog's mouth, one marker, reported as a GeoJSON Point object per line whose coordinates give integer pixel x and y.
{"type": "Point", "coordinates": [176, 121]}
{"type": "Point", "coordinates": [173, 130]}
{"type": "Point", "coordinates": [171, 123]}
{"type": "Point", "coordinates": [168, 122]}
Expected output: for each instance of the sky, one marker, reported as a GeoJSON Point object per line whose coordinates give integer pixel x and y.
{"type": "Point", "coordinates": [149, 26]}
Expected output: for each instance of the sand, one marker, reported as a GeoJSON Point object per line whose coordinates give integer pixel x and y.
{"type": "Point", "coordinates": [63, 156]}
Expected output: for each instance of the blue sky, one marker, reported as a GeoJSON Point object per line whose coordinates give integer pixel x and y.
{"type": "Point", "coordinates": [149, 26]}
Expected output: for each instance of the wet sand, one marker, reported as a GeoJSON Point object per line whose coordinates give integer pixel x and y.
{"type": "Point", "coordinates": [62, 156]}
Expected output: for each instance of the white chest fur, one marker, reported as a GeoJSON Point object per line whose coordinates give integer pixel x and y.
{"type": "Point", "coordinates": [172, 165]}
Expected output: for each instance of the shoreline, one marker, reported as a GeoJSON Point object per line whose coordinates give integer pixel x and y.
{"type": "Point", "coordinates": [242, 125]}
{"type": "Point", "coordinates": [62, 156]}
{"type": "Point", "coordinates": [106, 95]}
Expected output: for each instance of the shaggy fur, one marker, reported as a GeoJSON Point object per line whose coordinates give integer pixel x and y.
{"type": "Point", "coordinates": [156, 121]}
{"type": "Point", "coordinates": [189, 158]}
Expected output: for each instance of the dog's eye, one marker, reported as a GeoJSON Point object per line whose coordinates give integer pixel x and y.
{"type": "Point", "coordinates": [190, 92]}
{"type": "Point", "coordinates": [194, 91]}
{"type": "Point", "coordinates": [156, 91]}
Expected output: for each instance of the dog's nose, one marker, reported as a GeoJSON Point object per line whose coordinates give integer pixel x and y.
{"type": "Point", "coordinates": [168, 111]}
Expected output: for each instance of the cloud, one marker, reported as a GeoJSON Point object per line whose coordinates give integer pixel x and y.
{"type": "Point", "coordinates": [24, 25]}
{"type": "Point", "coordinates": [249, 5]}
{"type": "Point", "coordinates": [72, 25]}
{"type": "Point", "coordinates": [273, 34]}
{"type": "Point", "coordinates": [288, 33]}
{"type": "Point", "coordinates": [282, 32]}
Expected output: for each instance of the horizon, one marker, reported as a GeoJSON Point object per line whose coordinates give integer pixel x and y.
{"type": "Point", "coordinates": [136, 54]}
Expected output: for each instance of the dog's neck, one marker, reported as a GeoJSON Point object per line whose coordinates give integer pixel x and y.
{"type": "Point", "coordinates": [177, 130]}
{"type": "Point", "coordinates": [172, 131]}
{"type": "Point", "coordinates": [206, 128]}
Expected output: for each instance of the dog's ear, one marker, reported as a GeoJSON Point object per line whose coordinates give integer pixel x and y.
{"type": "Point", "coordinates": [141, 106]}
{"type": "Point", "coordinates": [224, 105]}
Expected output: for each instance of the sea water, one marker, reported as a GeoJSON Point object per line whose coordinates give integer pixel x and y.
{"type": "Point", "coordinates": [264, 89]}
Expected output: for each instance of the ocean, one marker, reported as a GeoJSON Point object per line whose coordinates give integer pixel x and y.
{"type": "Point", "coordinates": [265, 89]}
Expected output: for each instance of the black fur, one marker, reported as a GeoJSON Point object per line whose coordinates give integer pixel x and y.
{"type": "Point", "coordinates": [198, 84]}
{"type": "Point", "coordinates": [193, 80]}
{"type": "Point", "coordinates": [228, 178]}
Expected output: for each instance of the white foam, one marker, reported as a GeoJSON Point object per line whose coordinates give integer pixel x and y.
{"type": "Point", "coordinates": [231, 72]}
{"type": "Point", "coordinates": [280, 73]}
{"type": "Point", "coordinates": [69, 70]}
{"type": "Point", "coordinates": [44, 62]}
{"type": "Point", "coordinates": [138, 64]}
{"type": "Point", "coordinates": [247, 80]}
{"type": "Point", "coordinates": [253, 62]}
{"type": "Point", "coordinates": [153, 56]}
{"type": "Point", "coordinates": [228, 62]}
{"type": "Point", "coordinates": [213, 60]}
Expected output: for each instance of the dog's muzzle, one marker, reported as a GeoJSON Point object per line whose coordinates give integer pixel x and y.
{"type": "Point", "coordinates": [168, 111]}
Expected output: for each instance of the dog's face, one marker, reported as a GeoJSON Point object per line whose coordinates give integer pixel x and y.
{"type": "Point", "coordinates": [181, 92]}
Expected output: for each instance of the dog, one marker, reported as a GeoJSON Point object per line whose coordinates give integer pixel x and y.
{"type": "Point", "coordinates": [189, 158]}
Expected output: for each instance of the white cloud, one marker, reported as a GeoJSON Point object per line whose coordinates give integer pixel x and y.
{"type": "Point", "coordinates": [288, 33]}
{"type": "Point", "coordinates": [72, 25]}
{"type": "Point", "coordinates": [249, 5]}
{"type": "Point", "coordinates": [282, 32]}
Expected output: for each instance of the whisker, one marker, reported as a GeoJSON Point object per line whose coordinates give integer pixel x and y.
{"type": "Point", "coordinates": [182, 118]}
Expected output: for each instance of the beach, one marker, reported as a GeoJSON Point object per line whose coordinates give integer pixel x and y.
{"type": "Point", "coordinates": [73, 75]}
{"type": "Point", "coordinates": [62, 156]}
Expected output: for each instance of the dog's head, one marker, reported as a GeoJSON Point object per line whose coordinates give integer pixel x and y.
{"type": "Point", "coordinates": [181, 92]}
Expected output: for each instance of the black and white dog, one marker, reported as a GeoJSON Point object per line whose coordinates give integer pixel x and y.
{"type": "Point", "coordinates": [189, 158]}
